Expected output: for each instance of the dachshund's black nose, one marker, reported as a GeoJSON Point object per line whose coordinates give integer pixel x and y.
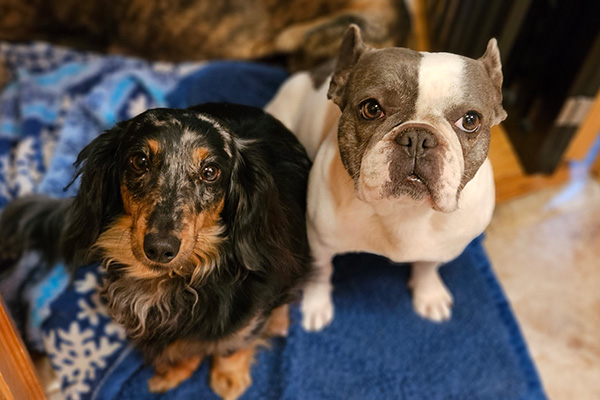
{"type": "Point", "coordinates": [161, 248]}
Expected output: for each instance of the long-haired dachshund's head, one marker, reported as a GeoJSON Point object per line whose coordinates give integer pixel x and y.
{"type": "Point", "coordinates": [158, 182]}
{"type": "Point", "coordinates": [161, 192]}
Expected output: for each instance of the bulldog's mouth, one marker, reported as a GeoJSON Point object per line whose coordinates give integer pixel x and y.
{"type": "Point", "coordinates": [414, 178]}
{"type": "Point", "coordinates": [411, 185]}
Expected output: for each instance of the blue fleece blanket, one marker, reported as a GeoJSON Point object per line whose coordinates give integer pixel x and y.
{"type": "Point", "coordinates": [376, 348]}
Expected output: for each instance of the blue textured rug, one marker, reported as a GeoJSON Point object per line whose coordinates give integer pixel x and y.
{"type": "Point", "coordinates": [376, 348]}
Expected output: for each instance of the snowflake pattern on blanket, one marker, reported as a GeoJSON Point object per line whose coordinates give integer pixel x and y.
{"type": "Point", "coordinates": [81, 350]}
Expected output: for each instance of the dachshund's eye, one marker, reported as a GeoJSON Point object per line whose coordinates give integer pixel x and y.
{"type": "Point", "coordinates": [139, 163]}
{"type": "Point", "coordinates": [470, 122]}
{"type": "Point", "coordinates": [370, 109]}
{"type": "Point", "coordinates": [210, 173]}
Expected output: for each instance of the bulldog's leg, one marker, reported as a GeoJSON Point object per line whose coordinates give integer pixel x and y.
{"type": "Point", "coordinates": [431, 298]}
{"type": "Point", "coordinates": [317, 305]}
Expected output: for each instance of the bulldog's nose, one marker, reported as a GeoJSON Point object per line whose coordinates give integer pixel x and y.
{"type": "Point", "coordinates": [416, 141]}
{"type": "Point", "coordinates": [161, 248]}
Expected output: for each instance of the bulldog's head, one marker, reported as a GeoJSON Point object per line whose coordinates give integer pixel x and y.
{"type": "Point", "coordinates": [414, 125]}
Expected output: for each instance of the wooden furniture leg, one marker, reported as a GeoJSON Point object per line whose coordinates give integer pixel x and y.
{"type": "Point", "coordinates": [17, 377]}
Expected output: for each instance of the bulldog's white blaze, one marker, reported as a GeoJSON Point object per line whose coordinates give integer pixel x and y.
{"type": "Point", "coordinates": [440, 84]}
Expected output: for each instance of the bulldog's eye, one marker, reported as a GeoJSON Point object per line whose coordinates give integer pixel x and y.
{"type": "Point", "coordinates": [470, 122]}
{"type": "Point", "coordinates": [371, 109]}
{"type": "Point", "coordinates": [139, 163]}
{"type": "Point", "coordinates": [210, 173]}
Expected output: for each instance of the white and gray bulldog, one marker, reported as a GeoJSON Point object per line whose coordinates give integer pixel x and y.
{"type": "Point", "coordinates": [401, 168]}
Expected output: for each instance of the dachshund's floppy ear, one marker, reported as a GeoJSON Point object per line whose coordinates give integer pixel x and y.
{"type": "Point", "coordinates": [98, 199]}
{"type": "Point", "coordinates": [253, 213]}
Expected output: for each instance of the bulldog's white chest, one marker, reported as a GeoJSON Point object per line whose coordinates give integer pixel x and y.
{"type": "Point", "coordinates": [411, 234]}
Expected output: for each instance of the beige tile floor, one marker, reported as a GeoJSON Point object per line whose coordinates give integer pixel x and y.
{"type": "Point", "coordinates": [545, 249]}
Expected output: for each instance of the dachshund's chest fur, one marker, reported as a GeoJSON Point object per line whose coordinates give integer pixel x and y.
{"type": "Point", "coordinates": [223, 314]}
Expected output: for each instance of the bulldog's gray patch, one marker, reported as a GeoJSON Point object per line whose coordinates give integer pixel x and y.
{"type": "Point", "coordinates": [477, 97]}
{"type": "Point", "coordinates": [482, 91]}
{"type": "Point", "coordinates": [390, 77]}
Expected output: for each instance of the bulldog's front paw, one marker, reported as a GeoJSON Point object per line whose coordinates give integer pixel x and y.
{"type": "Point", "coordinates": [432, 300]}
{"type": "Point", "coordinates": [317, 307]}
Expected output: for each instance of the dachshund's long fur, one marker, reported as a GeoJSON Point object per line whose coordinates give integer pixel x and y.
{"type": "Point", "coordinates": [198, 217]}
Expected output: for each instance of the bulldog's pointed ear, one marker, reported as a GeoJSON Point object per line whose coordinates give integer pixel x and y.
{"type": "Point", "coordinates": [491, 62]}
{"type": "Point", "coordinates": [493, 66]}
{"type": "Point", "coordinates": [351, 49]}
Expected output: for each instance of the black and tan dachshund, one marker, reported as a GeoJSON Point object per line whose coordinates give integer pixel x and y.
{"type": "Point", "coordinates": [198, 218]}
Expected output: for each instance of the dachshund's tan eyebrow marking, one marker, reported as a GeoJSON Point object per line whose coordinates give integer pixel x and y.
{"type": "Point", "coordinates": [200, 154]}
{"type": "Point", "coordinates": [154, 146]}
{"type": "Point", "coordinates": [221, 129]}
